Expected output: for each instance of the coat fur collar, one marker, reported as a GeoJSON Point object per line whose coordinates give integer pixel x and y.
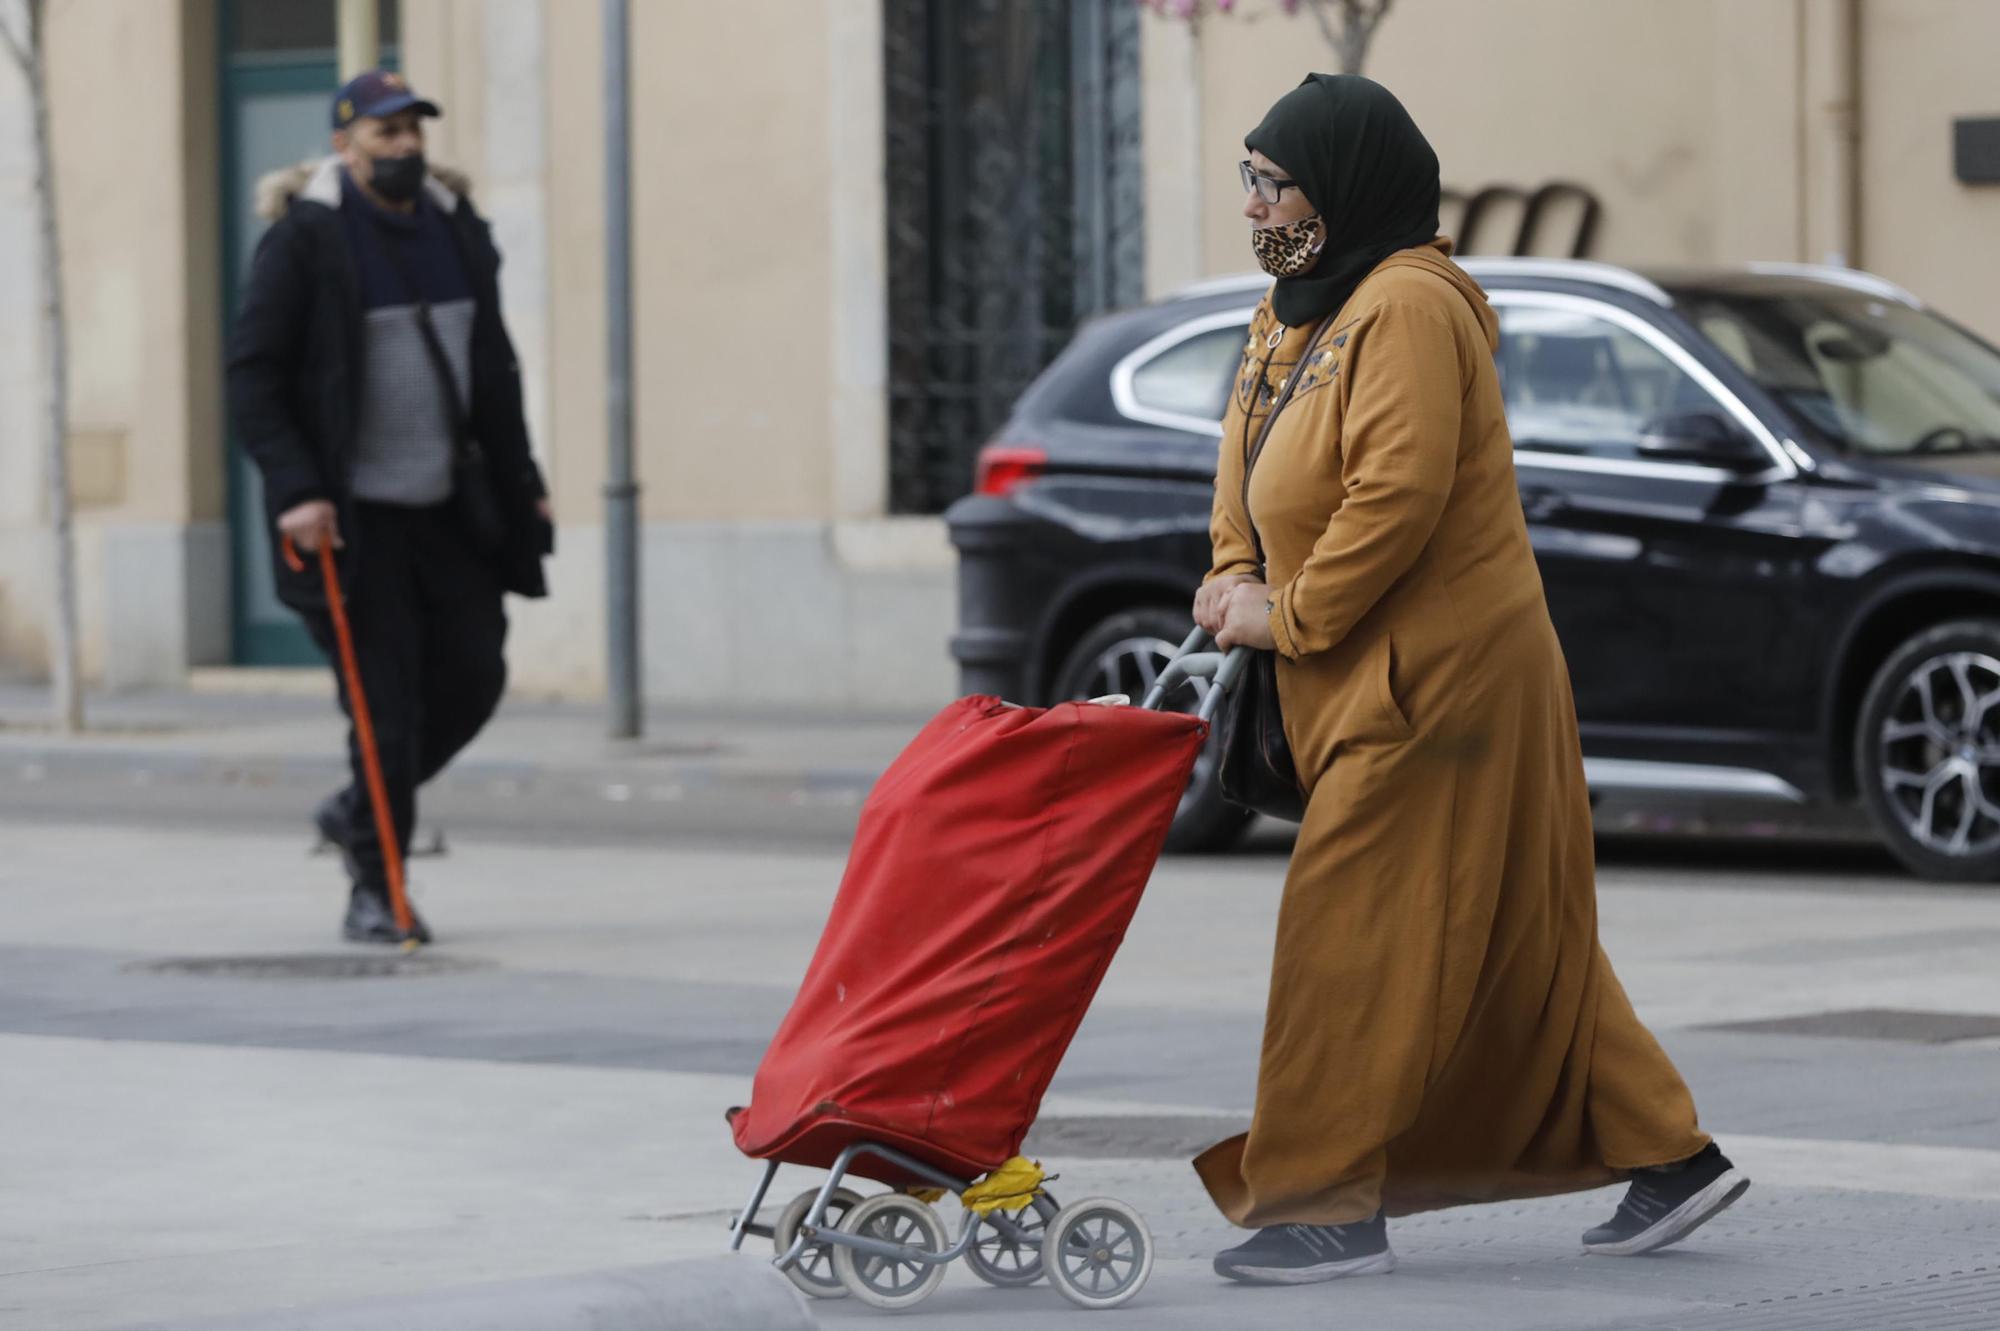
{"type": "Point", "coordinates": [317, 180]}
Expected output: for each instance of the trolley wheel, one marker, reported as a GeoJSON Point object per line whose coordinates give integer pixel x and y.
{"type": "Point", "coordinates": [999, 1260]}
{"type": "Point", "coordinates": [887, 1282]}
{"type": "Point", "coordinates": [813, 1272]}
{"type": "Point", "coordinates": [1098, 1252]}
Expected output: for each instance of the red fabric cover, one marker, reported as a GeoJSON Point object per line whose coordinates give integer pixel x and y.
{"type": "Point", "coordinates": [996, 865]}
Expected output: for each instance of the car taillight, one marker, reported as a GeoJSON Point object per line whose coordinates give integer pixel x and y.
{"type": "Point", "coordinates": [1004, 468]}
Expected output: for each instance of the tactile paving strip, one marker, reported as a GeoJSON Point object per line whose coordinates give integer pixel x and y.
{"type": "Point", "coordinates": [1782, 1259]}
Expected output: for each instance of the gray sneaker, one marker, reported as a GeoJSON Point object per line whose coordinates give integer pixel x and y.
{"type": "Point", "coordinates": [1666, 1205]}
{"type": "Point", "coordinates": [1307, 1254]}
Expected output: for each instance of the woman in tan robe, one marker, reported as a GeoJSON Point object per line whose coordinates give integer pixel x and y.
{"type": "Point", "coordinates": [1443, 1026]}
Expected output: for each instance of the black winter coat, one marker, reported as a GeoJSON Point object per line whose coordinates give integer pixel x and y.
{"type": "Point", "coordinates": [295, 358]}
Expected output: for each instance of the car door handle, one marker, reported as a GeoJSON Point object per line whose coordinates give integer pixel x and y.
{"type": "Point", "coordinates": [1541, 502]}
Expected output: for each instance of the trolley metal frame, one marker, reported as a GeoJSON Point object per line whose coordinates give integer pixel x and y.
{"type": "Point", "coordinates": [1193, 661]}
{"type": "Point", "coordinates": [813, 1228]}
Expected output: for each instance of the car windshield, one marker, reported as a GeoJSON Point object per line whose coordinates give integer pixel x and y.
{"type": "Point", "coordinates": [1866, 375]}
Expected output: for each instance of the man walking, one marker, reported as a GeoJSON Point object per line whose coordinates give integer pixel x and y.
{"type": "Point", "coordinates": [372, 380]}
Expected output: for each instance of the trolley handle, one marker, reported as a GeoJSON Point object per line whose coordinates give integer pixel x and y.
{"type": "Point", "coordinates": [1194, 661]}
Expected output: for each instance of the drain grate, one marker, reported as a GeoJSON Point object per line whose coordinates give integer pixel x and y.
{"type": "Point", "coordinates": [313, 966]}
{"type": "Point", "coordinates": [1874, 1023]}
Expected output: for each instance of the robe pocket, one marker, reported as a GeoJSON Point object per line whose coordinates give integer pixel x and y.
{"type": "Point", "coordinates": [1384, 667]}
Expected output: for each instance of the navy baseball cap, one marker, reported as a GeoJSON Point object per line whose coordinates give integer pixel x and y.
{"type": "Point", "coordinates": [377, 93]}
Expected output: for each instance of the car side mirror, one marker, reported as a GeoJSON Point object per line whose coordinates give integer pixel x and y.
{"type": "Point", "coordinates": [1701, 436]}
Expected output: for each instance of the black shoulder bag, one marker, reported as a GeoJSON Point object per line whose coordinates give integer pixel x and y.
{"type": "Point", "coordinates": [1255, 767]}
{"type": "Point", "coordinates": [474, 502]}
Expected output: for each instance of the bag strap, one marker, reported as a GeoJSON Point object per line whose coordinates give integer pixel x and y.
{"type": "Point", "coordinates": [1254, 451]}
{"type": "Point", "coordinates": [464, 447]}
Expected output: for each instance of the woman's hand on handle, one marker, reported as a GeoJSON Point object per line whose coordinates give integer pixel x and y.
{"type": "Point", "coordinates": [1246, 617]}
{"type": "Point", "coordinates": [1210, 599]}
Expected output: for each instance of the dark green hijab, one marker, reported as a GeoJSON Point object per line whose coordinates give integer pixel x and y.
{"type": "Point", "coordinates": [1368, 171]}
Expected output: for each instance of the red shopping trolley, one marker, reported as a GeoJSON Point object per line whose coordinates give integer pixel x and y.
{"type": "Point", "coordinates": [994, 870]}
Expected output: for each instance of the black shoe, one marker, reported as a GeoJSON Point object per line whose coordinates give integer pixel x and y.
{"type": "Point", "coordinates": [370, 919]}
{"type": "Point", "coordinates": [330, 820]}
{"type": "Point", "coordinates": [1666, 1205]}
{"type": "Point", "coordinates": [1307, 1254]}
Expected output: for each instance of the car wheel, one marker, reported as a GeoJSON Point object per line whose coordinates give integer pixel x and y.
{"type": "Point", "coordinates": [1927, 751]}
{"type": "Point", "coordinates": [1125, 654]}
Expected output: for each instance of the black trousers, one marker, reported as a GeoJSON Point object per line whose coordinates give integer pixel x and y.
{"type": "Point", "coordinates": [429, 634]}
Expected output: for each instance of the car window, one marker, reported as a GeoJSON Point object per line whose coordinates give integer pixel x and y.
{"type": "Point", "coordinates": [1578, 383]}
{"type": "Point", "coordinates": [1192, 377]}
{"type": "Point", "coordinates": [1864, 374]}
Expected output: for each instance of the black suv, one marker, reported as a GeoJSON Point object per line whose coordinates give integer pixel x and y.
{"type": "Point", "coordinates": [1765, 501]}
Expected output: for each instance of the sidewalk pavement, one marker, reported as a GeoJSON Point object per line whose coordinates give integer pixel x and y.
{"type": "Point", "coordinates": [693, 1294]}
{"type": "Point", "coordinates": [277, 739]}
{"type": "Point", "coordinates": [541, 771]}
{"type": "Point", "coordinates": [296, 730]}
{"type": "Point", "coordinates": [207, 1116]}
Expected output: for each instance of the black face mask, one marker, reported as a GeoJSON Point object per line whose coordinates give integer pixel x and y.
{"type": "Point", "coordinates": [397, 179]}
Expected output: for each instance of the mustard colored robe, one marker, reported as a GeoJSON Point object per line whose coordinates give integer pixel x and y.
{"type": "Point", "coordinates": [1443, 1027]}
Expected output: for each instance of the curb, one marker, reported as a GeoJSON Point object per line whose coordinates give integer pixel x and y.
{"type": "Point", "coordinates": [698, 1294]}
{"type": "Point", "coordinates": [113, 761]}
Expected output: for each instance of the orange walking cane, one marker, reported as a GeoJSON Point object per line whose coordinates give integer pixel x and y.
{"type": "Point", "coordinates": [364, 727]}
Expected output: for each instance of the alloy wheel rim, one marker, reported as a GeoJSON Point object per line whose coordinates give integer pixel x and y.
{"type": "Point", "coordinates": [1938, 754]}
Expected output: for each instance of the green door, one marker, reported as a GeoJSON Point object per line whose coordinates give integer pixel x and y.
{"type": "Point", "coordinates": [279, 72]}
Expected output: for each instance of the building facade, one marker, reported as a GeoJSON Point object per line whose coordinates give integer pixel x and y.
{"type": "Point", "coordinates": [859, 226]}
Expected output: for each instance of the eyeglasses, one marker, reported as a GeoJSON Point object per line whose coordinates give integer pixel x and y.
{"type": "Point", "coordinates": [1269, 188]}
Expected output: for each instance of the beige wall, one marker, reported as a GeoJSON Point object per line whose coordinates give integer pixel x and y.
{"type": "Point", "coordinates": [134, 139]}
{"type": "Point", "coordinates": [745, 203]}
{"type": "Point", "coordinates": [759, 343]}
{"type": "Point", "coordinates": [443, 42]}
{"type": "Point", "coordinates": [141, 284]}
{"type": "Point", "coordinates": [1708, 128]}
{"type": "Point", "coordinates": [1925, 62]}
{"type": "Point", "coordinates": [1756, 166]}
{"type": "Point", "coordinates": [731, 405]}
{"type": "Point", "coordinates": [576, 262]}
{"type": "Point", "coordinates": [23, 538]}
{"type": "Point", "coordinates": [731, 277]}
{"type": "Point", "coordinates": [1501, 91]}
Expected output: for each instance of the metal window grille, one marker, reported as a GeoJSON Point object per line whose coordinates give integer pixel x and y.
{"type": "Point", "coordinates": [1014, 211]}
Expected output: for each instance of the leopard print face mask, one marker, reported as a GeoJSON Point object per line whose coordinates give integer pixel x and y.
{"type": "Point", "coordinates": [1290, 248]}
